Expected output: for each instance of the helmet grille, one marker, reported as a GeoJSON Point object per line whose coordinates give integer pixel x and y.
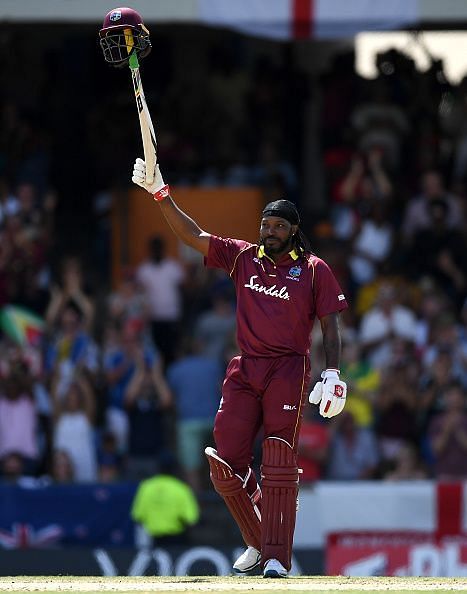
{"type": "Point", "coordinates": [119, 43]}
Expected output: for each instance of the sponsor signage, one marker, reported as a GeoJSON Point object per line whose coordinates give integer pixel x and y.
{"type": "Point", "coordinates": [396, 554]}
{"type": "Point", "coordinates": [170, 561]}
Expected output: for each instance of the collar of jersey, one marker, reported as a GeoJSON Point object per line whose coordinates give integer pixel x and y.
{"type": "Point", "coordinates": [260, 253]}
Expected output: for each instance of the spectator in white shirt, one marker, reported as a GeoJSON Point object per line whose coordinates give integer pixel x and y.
{"type": "Point", "coordinates": [161, 278]}
{"type": "Point", "coordinates": [386, 321]}
{"type": "Point", "coordinates": [74, 428]}
{"type": "Point", "coordinates": [371, 245]}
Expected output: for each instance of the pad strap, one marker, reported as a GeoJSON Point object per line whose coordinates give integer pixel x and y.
{"type": "Point", "coordinates": [240, 495]}
{"type": "Point", "coordinates": [279, 473]}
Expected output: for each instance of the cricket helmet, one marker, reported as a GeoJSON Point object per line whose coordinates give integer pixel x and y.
{"type": "Point", "coordinates": [122, 33]}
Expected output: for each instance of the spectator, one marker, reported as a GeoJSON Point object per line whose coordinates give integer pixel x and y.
{"type": "Point", "coordinates": [18, 417]}
{"type": "Point", "coordinates": [439, 253]}
{"type": "Point", "coordinates": [71, 289]}
{"type": "Point", "coordinates": [386, 321]}
{"type": "Point", "coordinates": [432, 305]}
{"type": "Point", "coordinates": [354, 452]}
{"type": "Point", "coordinates": [165, 506]}
{"type": "Point", "coordinates": [432, 387]}
{"type": "Point", "coordinates": [147, 400]}
{"type": "Point", "coordinates": [128, 304]}
{"type": "Point", "coordinates": [407, 465]}
{"type": "Point", "coordinates": [363, 382]}
{"type": "Point", "coordinates": [70, 348]}
{"type": "Point", "coordinates": [62, 470]}
{"type": "Point", "coordinates": [24, 258]}
{"type": "Point", "coordinates": [28, 206]}
{"type": "Point", "coordinates": [123, 354]}
{"type": "Point", "coordinates": [417, 213]}
{"type": "Point", "coordinates": [161, 278]}
{"type": "Point", "coordinates": [74, 415]}
{"type": "Point", "coordinates": [109, 459]}
{"type": "Point", "coordinates": [371, 245]}
{"type": "Point", "coordinates": [12, 468]}
{"type": "Point", "coordinates": [215, 326]}
{"type": "Point", "coordinates": [365, 184]}
{"type": "Point", "coordinates": [446, 336]}
{"type": "Point", "coordinates": [195, 380]}
{"type": "Point", "coordinates": [448, 437]}
{"type": "Point", "coordinates": [396, 410]}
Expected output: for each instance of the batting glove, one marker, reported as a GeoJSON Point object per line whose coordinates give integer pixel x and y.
{"type": "Point", "coordinates": [159, 189]}
{"type": "Point", "coordinates": [331, 392]}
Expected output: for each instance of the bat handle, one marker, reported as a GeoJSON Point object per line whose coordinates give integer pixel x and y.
{"type": "Point", "coordinates": [149, 176]}
{"type": "Point", "coordinates": [133, 61]}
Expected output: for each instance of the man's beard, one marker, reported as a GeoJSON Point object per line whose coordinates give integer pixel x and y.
{"type": "Point", "coordinates": [277, 247]}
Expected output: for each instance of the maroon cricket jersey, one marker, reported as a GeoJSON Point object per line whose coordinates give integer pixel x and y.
{"type": "Point", "coordinates": [276, 303]}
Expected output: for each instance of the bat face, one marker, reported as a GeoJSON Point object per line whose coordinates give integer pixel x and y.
{"type": "Point", "coordinates": [145, 122]}
{"type": "Point", "coordinates": [147, 129]}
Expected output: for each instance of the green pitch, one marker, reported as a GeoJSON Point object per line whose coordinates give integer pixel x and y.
{"type": "Point", "coordinates": [230, 585]}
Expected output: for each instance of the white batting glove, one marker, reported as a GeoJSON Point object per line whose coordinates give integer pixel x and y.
{"type": "Point", "coordinates": [158, 188]}
{"type": "Point", "coordinates": [331, 392]}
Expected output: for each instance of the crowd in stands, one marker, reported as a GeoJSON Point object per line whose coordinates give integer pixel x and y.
{"type": "Point", "coordinates": [107, 381]}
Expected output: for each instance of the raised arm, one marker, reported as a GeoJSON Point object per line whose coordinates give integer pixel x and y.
{"type": "Point", "coordinates": [162, 388]}
{"type": "Point", "coordinates": [89, 400]}
{"type": "Point", "coordinates": [181, 224]}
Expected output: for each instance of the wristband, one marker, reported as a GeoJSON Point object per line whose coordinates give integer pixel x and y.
{"type": "Point", "coordinates": [331, 372]}
{"type": "Point", "coordinates": [162, 193]}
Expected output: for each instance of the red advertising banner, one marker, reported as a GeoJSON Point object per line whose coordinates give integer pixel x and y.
{"type": "Point", "coordinates": [396, 554]}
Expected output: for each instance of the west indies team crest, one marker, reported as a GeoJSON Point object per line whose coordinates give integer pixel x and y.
{"type": "Point", "coordinates": [294, 273]}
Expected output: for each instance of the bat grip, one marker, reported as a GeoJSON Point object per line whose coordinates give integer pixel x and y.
{"type": "Point", "coordinates": [133, 61]}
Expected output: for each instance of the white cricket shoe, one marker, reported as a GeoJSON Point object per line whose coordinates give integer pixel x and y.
{"type": "Point", "coordinates": [274, 569]}
{"type": "Point", "coordinates": [248, 560]}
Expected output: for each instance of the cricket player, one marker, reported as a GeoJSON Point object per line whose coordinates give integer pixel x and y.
{"type": "Point", "coordinates": [281, 288]}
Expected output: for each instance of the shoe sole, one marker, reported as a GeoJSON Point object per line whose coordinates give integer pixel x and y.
{"type": "Point", "coordinates": [272, 573]}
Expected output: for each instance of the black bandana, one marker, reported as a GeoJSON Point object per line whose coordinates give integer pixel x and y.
{"type": "Point", "coordinates": [283, 209]}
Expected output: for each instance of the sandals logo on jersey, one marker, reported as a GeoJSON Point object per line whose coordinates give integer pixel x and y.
{"type": "Point", "coordinates": [273, 291]}
{"type": "Point", "coordinates": [116, 15]}
{"type": "Point", "coordinates": [294, 273]}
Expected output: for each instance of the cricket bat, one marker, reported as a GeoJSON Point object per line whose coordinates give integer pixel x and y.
{"type": "Point", "coordinates": [147, 129]}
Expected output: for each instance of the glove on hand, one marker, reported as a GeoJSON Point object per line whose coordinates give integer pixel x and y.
{"type": "Point", "coordinates": [331, 392]}
{"type": "Point", "coordinates": [158, 188]}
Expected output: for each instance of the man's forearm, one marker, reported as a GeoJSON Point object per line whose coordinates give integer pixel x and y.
{"type": "Point", "coordinates": [331, 342]}
{"type": "Point", "coordinates": [332, 350]}
{"type": "Point", "coordinates": [184, 226]}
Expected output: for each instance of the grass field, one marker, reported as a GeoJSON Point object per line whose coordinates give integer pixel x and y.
{"type": "Point", "coordinates": [233, 585]}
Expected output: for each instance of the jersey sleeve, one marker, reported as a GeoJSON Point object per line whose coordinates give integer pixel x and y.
{"type": "Point", "coordinates": [223, 252]}
{"type": "Point", "coordinates": [328, 295]}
